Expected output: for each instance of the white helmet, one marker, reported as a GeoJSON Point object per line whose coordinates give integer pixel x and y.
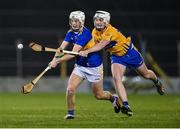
{"type": "Point", "coordinates": [77, 15]}
{"type": "Point", "coordinates": [104, 15]}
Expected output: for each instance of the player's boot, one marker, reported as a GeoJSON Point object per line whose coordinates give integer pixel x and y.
{"type": "Point", "coordinates": [126, 110]}
{"type": "Point", "coordinates": [159, 87]}
{"type": "Point", "coordinates": [69, 116]}
{"type": "Point", "coordinates": [116, 104]}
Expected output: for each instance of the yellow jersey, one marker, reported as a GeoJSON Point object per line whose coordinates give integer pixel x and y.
{"type": "Point", "coordinates": [118, 45]}
{"type": "Point", "coordinates": [90, 44]}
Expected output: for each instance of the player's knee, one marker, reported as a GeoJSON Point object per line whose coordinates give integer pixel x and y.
{"type": "Point", "coordinates": [117, 79]}
{"type": "Point", "coordinates": [70, 91]}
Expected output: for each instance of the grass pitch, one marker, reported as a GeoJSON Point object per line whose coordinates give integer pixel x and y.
{"type": "Point", "coordinates": [46, 110]}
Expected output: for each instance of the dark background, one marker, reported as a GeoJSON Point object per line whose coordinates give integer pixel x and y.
{"type": "Point", "coordinates": [155, 22]}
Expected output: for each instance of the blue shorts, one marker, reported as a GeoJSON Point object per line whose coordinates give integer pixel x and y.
{"type": "Point", "coordinates": [131, 59]}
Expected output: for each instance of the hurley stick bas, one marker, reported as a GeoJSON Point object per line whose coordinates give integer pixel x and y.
{"type": "Point", "coordinates": [40, 48]}
{"type": "Point", "coordinates": [28, 87]}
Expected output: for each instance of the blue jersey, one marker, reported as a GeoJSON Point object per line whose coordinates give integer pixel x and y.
{"type": "Point", "coordinates": [84, 39]}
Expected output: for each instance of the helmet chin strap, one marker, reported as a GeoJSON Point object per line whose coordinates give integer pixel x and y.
{"type": "Point", "coordinates": [100, 28]}
{"type": "Point", "coordinates": [77, 30]}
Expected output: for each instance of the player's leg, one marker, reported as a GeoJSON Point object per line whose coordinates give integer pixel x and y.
{"type": "Point", "coordinates": [149, 74]}
{"type": "Point", "coordinates": [100, 94]}
{"type": "Point", "coordinates": [73, 83]}
{"type": "Point", "coordinates": [98, 91]}
{"type": "Point", "coordinates": [135, 60]}
{"type": "Point", "coordinates": [118, 71]}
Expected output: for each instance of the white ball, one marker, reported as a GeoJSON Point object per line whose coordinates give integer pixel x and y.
{"type": "Point", "coordinates": [20, 46]}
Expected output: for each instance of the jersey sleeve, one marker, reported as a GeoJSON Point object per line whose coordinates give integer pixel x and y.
{"type": "Point", "coordinates": [67, 37]}
{"type": "Point", "coordinates": [93, 32]}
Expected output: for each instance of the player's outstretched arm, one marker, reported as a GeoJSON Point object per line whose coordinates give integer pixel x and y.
{"type": "Point", "coordinates": [95, 48]}
{"type": "Point", "coordinates": [66, 57]}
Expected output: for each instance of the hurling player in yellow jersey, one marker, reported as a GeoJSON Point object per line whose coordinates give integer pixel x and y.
{"type": "Point", "coordinates": [123, 54]}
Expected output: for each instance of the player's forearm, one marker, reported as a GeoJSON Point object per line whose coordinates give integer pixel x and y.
{"type": "Point", "coordinates": [98, 47]}
{"type": "Point", "coordinates": [58, 51]}
{"type": "Point", "coordinates": [63, 45]}
{"type": "Point", "coordinates": [94, 49]}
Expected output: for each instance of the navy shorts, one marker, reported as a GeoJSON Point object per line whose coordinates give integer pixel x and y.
{"type": "Point", "coordinates": [131, 59]}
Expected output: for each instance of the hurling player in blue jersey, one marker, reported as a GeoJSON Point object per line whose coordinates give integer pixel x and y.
{"type": "Point", "coordinates": [89, 68]}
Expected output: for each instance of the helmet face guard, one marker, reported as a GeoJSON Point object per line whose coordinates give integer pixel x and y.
{"type": "Point", "coordinates": [74, 18]}
{"type": "Point", "coordinates": [103, 17]}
